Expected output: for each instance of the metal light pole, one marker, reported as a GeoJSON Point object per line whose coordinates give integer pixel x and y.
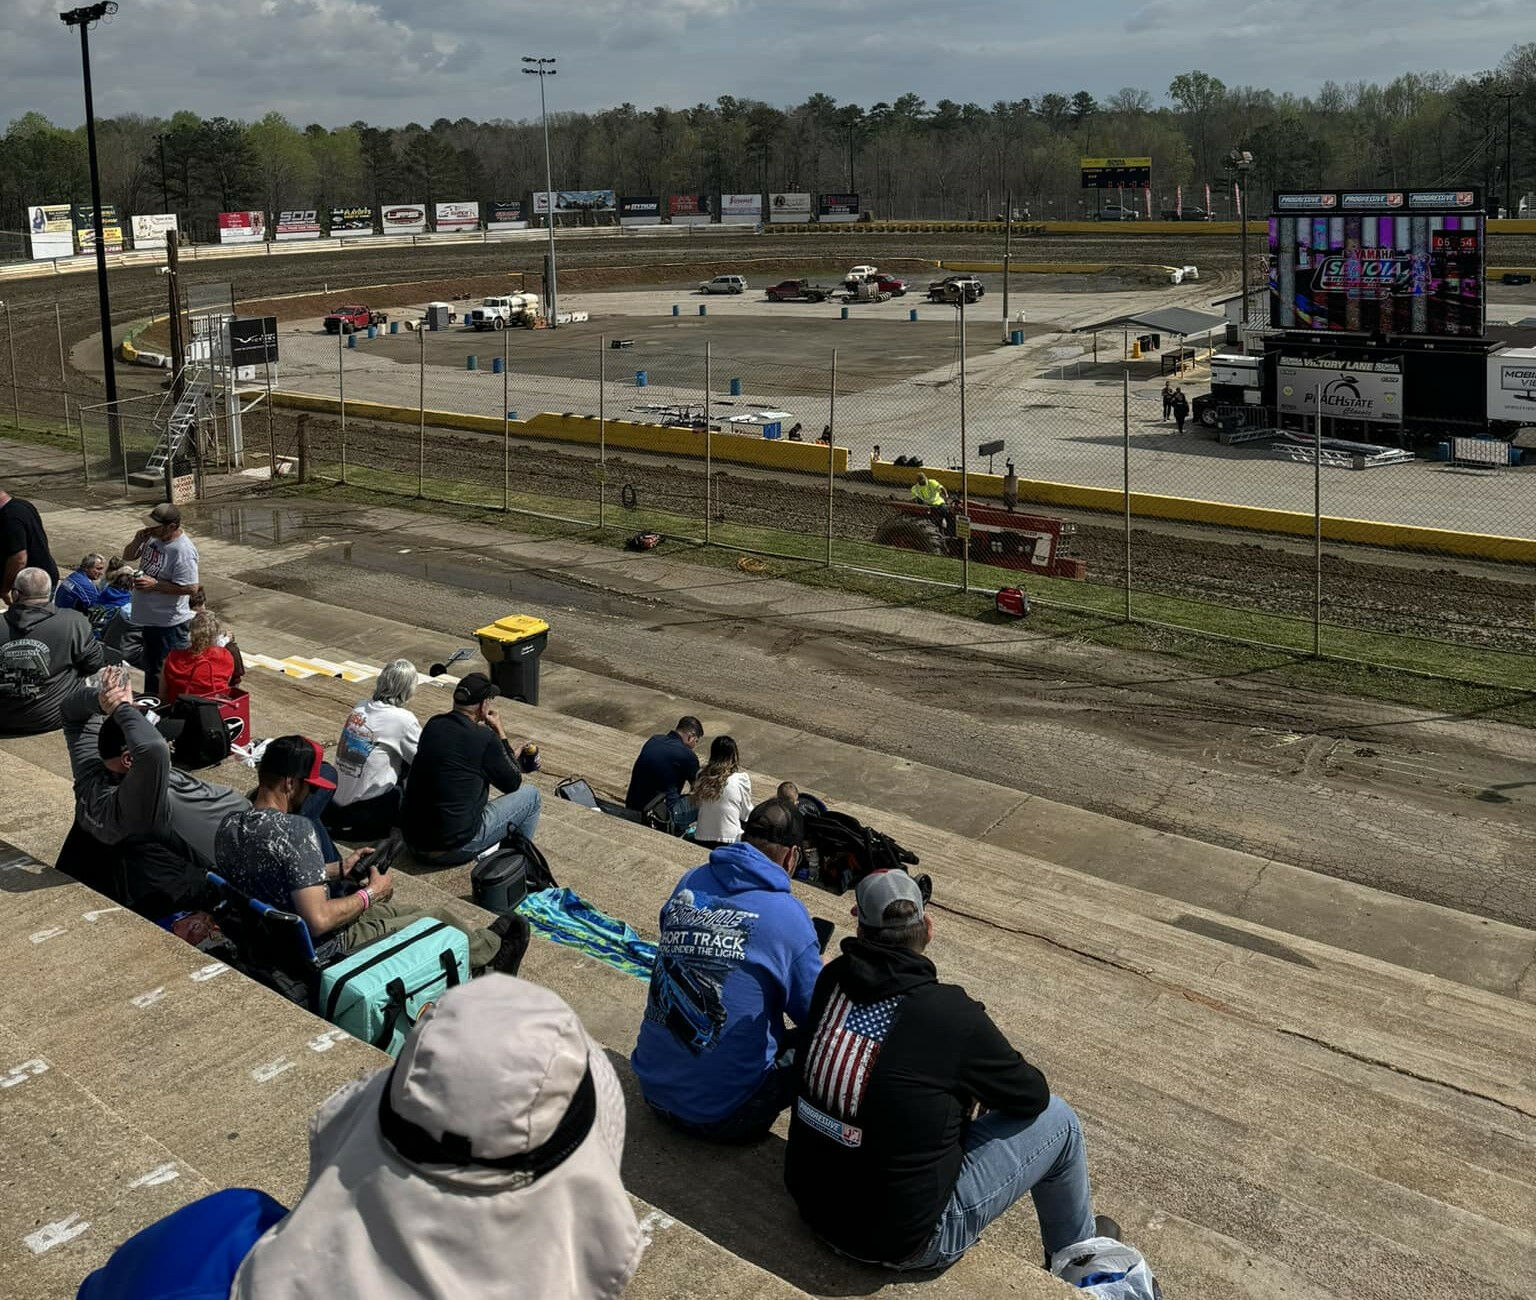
{"type": "Point", "coordinates": [165, 189]}
{"type": "Point", "coordinates": [542, 68]}
{"type": "Point", "coordinates": [1509, 97]}
{"type": "Point", "coordinates": [83, 18]}
{"type": "Point", "coordinates": [1240, 161]}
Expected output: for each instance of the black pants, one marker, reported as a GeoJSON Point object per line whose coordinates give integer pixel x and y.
{"type": "Point", "coordinates": [367, 819]}
{"type": "Point", "coordinates": [151, 875]}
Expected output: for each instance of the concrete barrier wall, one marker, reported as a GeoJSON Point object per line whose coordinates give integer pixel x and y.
{"type": "Point", "coordinates": [727, 448]}
{"type": "Point", "coordinates": [1147, 505]}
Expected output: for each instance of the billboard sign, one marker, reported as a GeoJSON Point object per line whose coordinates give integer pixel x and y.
{"type": "Point", "coordinates": [1370, 265]}
{"type": "Point", "coordinates": [741, 209]}
{"type": "Point", "coordinates": [789, 207]}
{"type": "Point", "coordinates": [352, 221]}
{"type": "Point", "coordinates": [689, 209]}
{"type": "Point", "coordinates": [573, 201]}
{"type": "Point", "coordinates": [457, 216]}
{"type": "Point", "coordinates": [299, 223]}
{"type": "Point", "coordinates": [639, 209]}
{"type": "Point", "coordinates": [506, 215]}
{"type": "Point", "coordinates": [1512, 386]}
{"type": "Point", "coordinates": [1350, 390]}
{"type": "Point", "coordinates": [403, 218]}
{"type": "Point", "coordinates": [837, 207]}
{"type": "Point", "coordinates": [1115, 173]}
{"type": "Point", "coordinates": [150, 231]}
{"type": "Point", "coordinates": [253, 340]}
{"type": "Point", "coordinates": [242, 227]}
{"type": "Point", "coordinates": [51, 230]}
{"type": "Point", "coordinates": [85, 228]}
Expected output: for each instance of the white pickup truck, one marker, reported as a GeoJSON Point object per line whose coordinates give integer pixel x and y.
{"type": "Point", "coordinates": [507, 309]}
{"type": "Point", "coordinates": [859, 274]}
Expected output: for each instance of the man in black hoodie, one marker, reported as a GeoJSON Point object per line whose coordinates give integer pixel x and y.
{"type": "Point", "coordinates": [916, 1123]}
{"type": "Point", "coordinates": [45, 653]}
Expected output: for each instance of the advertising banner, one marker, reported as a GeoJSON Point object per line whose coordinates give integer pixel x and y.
{"type": "Point", "coordinates": [457, 216]}
{"type": "Point", "coordinates": [741, 209]}
{"type": "Point", "coordinates": [85, 228]}
{"type": "Point", "coordinates": [838, 207]}
{"type": "Point", "coordinates": [789, 207]}
{"type": "Point", "coordinates": [507, 215]}
{"type": "Point", "coordinates": [1115, 173]}
{"type": "Point", "coordinates": [1512, 386]}
{"type": "Point", "coordinates": [573, 201]}
{"type": "Point", "coordinates": [688, 209]}
{"type": "Point", "coordinates": [352, 221]}
{"type": "Point", "coordinates": [242, 227]}
{"type": "Point", "coordinates": [150, 231]}
{"type": "Point", "coordinates": [298, 223]}
{"type": "Point", "coordinates": [1356, 272]}
{"type": "Point", "coordinates": [253, 340]}
{"type": "Point", "coordinates": [51, 230]}
{"type": "Point", "coordinates": [639, 209]}
{"type": "Point", "coordinates": [1364, 390]}
{"type": "Point", "coordinates": [403, 218]}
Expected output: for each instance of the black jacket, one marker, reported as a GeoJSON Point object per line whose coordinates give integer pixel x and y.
{"type": "Point", "coordinates": [884, 1099]}
{"type": "Point", "coordinates": [457, 761]}
{"type": "Point", "coordinates": [45, 654]}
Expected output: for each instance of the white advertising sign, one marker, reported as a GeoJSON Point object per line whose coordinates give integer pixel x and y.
{"type": "Point", "coordinates": [458, 216]}
{"type": "Point", "coordinates": [1512, 386]}
{"type": "Point", "coordinates": [150, 231]}
{"type": "Point", "coordinates": [51, 230]}
{"type": "Point", "coordinates": [574, 201]}
{"type": "Point", "coordinates": [741, 209]}
{"type": "Point", "coordinates": [297, 224]}
{"type": "Point", "coordinates": [404, 218]}
{"type": "Point", "coordinates": [789, 207]}
{"type": "Point", "coordinates": [242, 227]}
{"type": "Point", "coordinates": [1371, 390]}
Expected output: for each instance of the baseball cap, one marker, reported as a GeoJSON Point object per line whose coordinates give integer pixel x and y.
{"type": "Point", "coordinates": [878, 890]}
{"type": "Point", "coordinates": [297, 756]}
{"type": "Point", "coordinates": [775, 821]}
{"type": "Point", "coordinates": [163, 515]}
{"type": "Point", "coordinates": [473, 688]}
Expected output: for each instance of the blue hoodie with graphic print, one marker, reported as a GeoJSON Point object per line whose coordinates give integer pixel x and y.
{"type": "Point", "coordinates": [737, 955]}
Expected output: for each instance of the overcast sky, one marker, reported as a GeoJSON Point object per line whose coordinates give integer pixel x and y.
{"type": "Point", "coordinates": [395, 61]}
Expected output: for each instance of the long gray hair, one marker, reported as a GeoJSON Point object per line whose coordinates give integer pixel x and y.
{"type": "Point", "coordinates": [396, 684]}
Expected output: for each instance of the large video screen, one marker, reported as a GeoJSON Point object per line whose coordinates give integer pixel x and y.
{"type": "Point", "coordinates": [1377, 273]}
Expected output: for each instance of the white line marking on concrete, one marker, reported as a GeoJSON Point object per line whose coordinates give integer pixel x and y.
{"type": "Point", "coordinates": [21, 1073]}
{"type": "Point", "coordinates": [266, 1073]}
{"type": "Point", "coordinates": [100, 912]}
{"type": "Point", "coordinates": [148, 999]}
{"type": "Point", "coordinates": [205, 973]}
{"type": "Point", "coordinates": [324, 1042]}
{"type": "Point", "coordinates": [55, 1234]}
{"type": "Point", "coordinates": [157, 1176]}
{"type": "Point", "coordinates": [42, 936]}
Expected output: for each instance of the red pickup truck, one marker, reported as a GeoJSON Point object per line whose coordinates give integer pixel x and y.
{"type": "Point", "coordinates": [347, 320]}
{"type": "Point", "coordinates": [891, 285]}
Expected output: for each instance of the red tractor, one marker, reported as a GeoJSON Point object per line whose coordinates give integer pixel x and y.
{"type": "Point", "coordinates": [1005, 538]}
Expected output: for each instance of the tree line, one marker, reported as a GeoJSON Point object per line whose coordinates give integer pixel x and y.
{"type": "Point", "coordinates": [905, 158]}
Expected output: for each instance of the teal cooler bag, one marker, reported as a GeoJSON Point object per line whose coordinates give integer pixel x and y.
{"type": "Point", "coordinates": [377, 993]}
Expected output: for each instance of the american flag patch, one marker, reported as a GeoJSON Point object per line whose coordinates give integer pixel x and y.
{"type": "Point", "coordinates": [843, 1052]}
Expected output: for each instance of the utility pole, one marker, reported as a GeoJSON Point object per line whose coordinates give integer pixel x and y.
{"type": "Point", "coordinates": [1239, 162]}
{"type": "Point", "coordinates": [1007, 253]}
{"type": "Point", "coordinates": [850, 157]}
{"type": "Point", "coordinates": [541, 68]}
{"type": "Point", "coordinates": [165, 189]}
{"type": "Point", "coordinates": [83, 19]}
{"type": "Point", "coordinates": [1509, 97]}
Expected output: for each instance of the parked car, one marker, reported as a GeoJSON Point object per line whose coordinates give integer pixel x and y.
{"type": "Point", "coordinates": [1114, 212]}
{"type": "Point", "coordinates": [891, 285]}
{"type": "Point", "coordinates": [723, 284]}
{"type": "Point", "coordinates": [798, 291]}
{"type": "Point", "coordinates": [1190, 212]}
{"type": "Point", "coordinates": [348, 320]}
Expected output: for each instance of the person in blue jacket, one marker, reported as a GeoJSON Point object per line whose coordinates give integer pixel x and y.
{"type": "Point", "coordinates": [738, 956]}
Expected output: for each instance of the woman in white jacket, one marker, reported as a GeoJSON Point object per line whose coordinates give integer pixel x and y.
{"type": "Point", "coordinates": [724, 793]}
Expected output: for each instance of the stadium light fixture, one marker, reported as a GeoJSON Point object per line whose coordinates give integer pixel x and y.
{"type": "Point", "coordinates": [85, 18]}
{"type": "Point", "coordinates": [542, 68]}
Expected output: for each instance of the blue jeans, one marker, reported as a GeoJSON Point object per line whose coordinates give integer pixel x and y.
{"type": "Point", "coordinates": [750, 1121]}
{"type": "Point", "coordinates": [518, 811]}
{"type": "Point", "coordinates": [1004, 1158]}
{"type": "Point", "coordinates": [159, 642]}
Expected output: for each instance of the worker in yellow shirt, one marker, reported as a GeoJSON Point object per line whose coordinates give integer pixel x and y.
{"type": "Point", "coordinates": [930, 492]}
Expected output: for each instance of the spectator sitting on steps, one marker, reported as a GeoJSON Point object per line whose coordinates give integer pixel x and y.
{"type": "Point", "coordinates": [80, 589]}
{"type": "Point", "coordinates": [916, 1123]}
{"type": "Point", "coordinates": [273, 854]}
{"type": "Point", "coordinates": [665, 765]}
{"type": "Point", "coordinates": [45, 653]}
{"type": "Point", "coordinates": [724, 793]}
{"type": "Point", "coordinates": [197, 602]}
{"type": "Point", "coordinates": [374, 756]}
{"type": "Point", "coordinates": [204, 668]}
{"type": "Point", "coordinates": [448, 812]}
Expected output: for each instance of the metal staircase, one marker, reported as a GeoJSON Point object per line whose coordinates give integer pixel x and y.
{"type": "Point", "coordinates": [178, 427]}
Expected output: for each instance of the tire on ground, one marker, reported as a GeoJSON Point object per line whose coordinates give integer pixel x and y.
{"type": "Point", "coordinates": [911, 535]}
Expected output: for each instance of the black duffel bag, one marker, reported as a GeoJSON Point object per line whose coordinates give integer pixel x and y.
{"type": "Point", "coordinates": [501, 881]}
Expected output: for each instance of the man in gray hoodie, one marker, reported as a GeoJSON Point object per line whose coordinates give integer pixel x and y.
{"type": "Point", "coordinates": [45, 652]}
{"type": "Point", "coordinates": [144, 830]}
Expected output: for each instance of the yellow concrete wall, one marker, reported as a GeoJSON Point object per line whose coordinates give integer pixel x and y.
{"type": "Point", "coordinates": [728, 448]}
{"type": "Point", "coordinates": [1149, 505]}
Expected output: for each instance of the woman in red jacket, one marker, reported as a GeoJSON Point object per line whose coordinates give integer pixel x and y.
{"type": "Point", "coordinates": [205, 668]}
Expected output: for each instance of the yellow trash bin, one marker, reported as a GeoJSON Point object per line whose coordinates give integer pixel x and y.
{"type": "Point", "coordinates": [512, 646]}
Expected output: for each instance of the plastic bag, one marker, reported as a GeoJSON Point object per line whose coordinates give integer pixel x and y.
{"type": "Point", "coordinates": [1106, 1268]}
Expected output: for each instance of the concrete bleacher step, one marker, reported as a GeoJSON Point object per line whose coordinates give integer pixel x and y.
{"type": "Point", "coordinates": [137, 1076]}
{"type": "Point", "coordinates": [1257, 1112]}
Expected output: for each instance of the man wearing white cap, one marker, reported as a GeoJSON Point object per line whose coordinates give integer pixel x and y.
{"type": "Point", "coordinates": [888, 1159]}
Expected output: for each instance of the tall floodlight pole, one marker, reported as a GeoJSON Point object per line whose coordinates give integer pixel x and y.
{"type": "Point", "coordinates": [542, 68]}
{"type": "Point", "coordinates": [83, 19]}
{"type": "Point", "coordinates": [1240, 161]}
{"type": "Point", "coordinates": [1509, 97]}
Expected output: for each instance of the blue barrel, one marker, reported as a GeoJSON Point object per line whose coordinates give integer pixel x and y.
{"type": "Point", "coordinates": [511, 415]}
{"type": "Point", "coordinates": [351, 340]}
{"type": "Point", "coordinates": [735, 388]}
{"type": "Point", "coordinates": [373, 331]}
{"type": "Point", "coordinates": [703, 309]}
{"type": "Point", "coordinates": [1442, 451]}
{"type": "Point", "coordinates": [394, 327]}
{"type": "Point", "coordinates": [471, 362]}
{"type": "Point", "coordinates": [641, 379]}
{"type": "Point", "coordinates": [912, 314]}
{"type": "Point", "coordinates": [845, 313]}
{"type": "Point", "coordinates": [1016, 337]}
{"type": "Point", "coordinates": [676, 310]}
{"type": "Point", "coordinates": [1515, 454]}
{"type": "Point", "coordinates": [495, 365]}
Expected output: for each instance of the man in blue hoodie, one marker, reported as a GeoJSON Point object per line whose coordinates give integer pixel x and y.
{"type": "Point", "coordinates": [738, 954]}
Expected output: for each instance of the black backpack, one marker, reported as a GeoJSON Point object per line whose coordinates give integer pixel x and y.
{"type": "Point", "coordinates": [501, 881]}
{"type": "Point", "coordinates": [204, 737]}
{"type": "Point", "coordinates": [840, 851]}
